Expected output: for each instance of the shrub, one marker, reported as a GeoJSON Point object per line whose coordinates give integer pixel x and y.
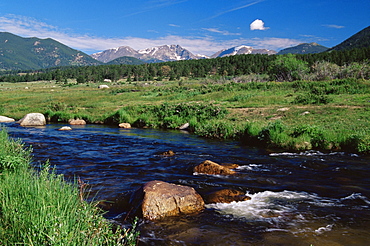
{"type": "Point", "coordinates": [218, 129]}
{"type": "Point", "coordinates": [356, 70]}
{"type": "Point", "coordinates": [288, 68]}
{"type": "Point", "coordinates": [317, 137]}
{"type": "Point", "coordinates": [271, 133]}
{"type": "Point", "coordinates": [120, 116]}
{"type": "Point", "coordinates": [240, 98]}
{"type": "Point", "coordinates": [358, 143]}
{"type": "Point", "coordinates": [309, 130]}
{"type": "Point", "coordinates": [313, 97]}
{"type": "Point", "coordinates": [172, 122]}
{"type": "Point", "coordinates": [323, 70]}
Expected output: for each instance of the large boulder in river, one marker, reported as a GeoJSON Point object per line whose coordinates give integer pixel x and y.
{"type": "Point", "coordinates": [226, 196]}
{"type": "Point", "coordinates": [33, 119]}
{"type": "Point", "coordinates": [212, 168]}
{"type": "Point", "coordinates": [158, 199]}
{"type": "Point", "coordinates": [4, 119]}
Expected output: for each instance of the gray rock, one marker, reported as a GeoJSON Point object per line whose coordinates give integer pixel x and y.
{"type": "Point", "coordinates": [4, 119]}
{"type": "Point", "coordinates": [33, 119]}
{"type": "Point", "coordinates": [103, 87]}
{"type": "Point", "coordinates": [65, 128]}
{"type": "Point", "coordinates": [184, 126]}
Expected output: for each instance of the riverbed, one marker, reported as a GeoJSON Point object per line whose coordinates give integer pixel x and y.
{"type": "Point", "coordinates": [297, 198]}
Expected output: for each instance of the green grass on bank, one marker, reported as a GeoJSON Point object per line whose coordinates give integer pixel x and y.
{"type": "Point", "coordinates": [298, 115]}
{"type": "Point", "coordinates": [40, 208]}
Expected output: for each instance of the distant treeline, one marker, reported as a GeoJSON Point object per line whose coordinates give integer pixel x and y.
{"type": "Point", "coordinates": [225, 66]}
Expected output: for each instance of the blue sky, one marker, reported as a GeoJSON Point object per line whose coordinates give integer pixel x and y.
{"type": "Point", "coordinates": [201, 26]}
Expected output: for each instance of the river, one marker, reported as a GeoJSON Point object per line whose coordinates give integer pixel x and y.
{"type": "Point", "coordinates": [298, 198]}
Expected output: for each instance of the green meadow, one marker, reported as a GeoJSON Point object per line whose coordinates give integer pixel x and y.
{"type": "Point", "coordinates": [299, 115]}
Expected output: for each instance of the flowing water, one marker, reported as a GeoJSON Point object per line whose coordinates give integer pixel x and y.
{"type": "Point", "coordinates": [307, 198]}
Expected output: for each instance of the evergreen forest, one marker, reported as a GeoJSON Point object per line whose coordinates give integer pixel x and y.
{"type": "Point", "coordinates": [255, 64]}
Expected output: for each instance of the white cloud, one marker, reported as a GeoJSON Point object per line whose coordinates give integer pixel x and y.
{"type": "Point", "coordinates": [235, 9]}
{"type": "Point", "coordinates": [28, 27]}
{"type": "Point", "coordinates": [334, 26]}
{"type": "Point", "coordinates": [216, 30]}
{"type": "Point", "coordinates": [258, 25]}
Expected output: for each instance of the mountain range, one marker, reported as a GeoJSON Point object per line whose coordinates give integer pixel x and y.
{"type": "Point", "coordinates": [171, 53]}
{"type": "Point", "coordinates": [239, 50]}
{"type": "Point", "coordinates": [154, 54]}
{"type": "Point", "coordinates": [305, 48]}
{"type": "Point", "coordinates": [359, 40]}
{"type": "Point", "coordinates": [18, 53]}
{"type": "Point", "coordinates": [35, 53]}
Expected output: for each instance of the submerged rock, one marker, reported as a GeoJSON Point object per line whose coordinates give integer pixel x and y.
{"type": "Point", "coordinates": [4, 119]}
{"type": "Point", "coordinates": [33, 119]}
{"type": "Point", "coordinates": [65, 128]}
{"type": "Point", "coordinates": [212, 168]}
{"type": "Point", "coordinates": [168, 153]}
{"type": "Point", "coordinates": [158, 199]}
{"type": "Point", "coordinates": [226, 196]}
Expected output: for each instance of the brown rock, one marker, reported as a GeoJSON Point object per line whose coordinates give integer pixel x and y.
{"type": "Point", "coordinates": [125, 125]}
{"type": "Point", "coordinates": [230, 165]}
{"type": "Point", "coordinates": [226, 196]}
{"type": "Point", "coordinates": [77, 122]}
{"type": "Point", "coordinates": [158, 199]}
{"type": "Point", "coordinates": [210, 167]}
{"type": "Point", "coordinates": [168, 153]}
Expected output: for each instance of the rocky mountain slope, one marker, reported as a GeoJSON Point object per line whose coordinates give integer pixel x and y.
{"type": "Point", "coordinates": [154, 54]}
{"type": "Point", "coordinates": [35, 53]}
{"type": "Point", "coordinates": [238, 50]}
{"type": "Point", "coordinates": [171, 53]}
{"type": "Point", "coordinates": [305, 48]}
{"type": "Point", "coordinates": [358, 40]}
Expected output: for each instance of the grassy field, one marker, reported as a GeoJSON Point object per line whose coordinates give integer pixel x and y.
{"type": "Point", "coordinates": [331, 115]}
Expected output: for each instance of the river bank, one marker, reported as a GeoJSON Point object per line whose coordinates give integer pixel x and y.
{"type": "Point", "coordinates": [41, 208]}
{"type": "Point", "coordinates": [301, 115]}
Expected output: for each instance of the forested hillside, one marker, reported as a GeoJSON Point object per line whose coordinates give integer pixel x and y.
{"type": "Point", "coordinates": [226, 66]}
{"type": "Point", "coordinates": [34, 53]}
{"type": "Point", "coordinates": [358, 40]}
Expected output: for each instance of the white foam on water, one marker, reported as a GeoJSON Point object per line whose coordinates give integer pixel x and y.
{"type": "Point", "coordinates": [264, 205]}
{"type": "Point", "coordinates": [252, 167]}
{"type": "Point", "coordinates": [309, 153]}
{"type": "Point", "coordinates": [213, 175]}
{"type": "Point", "coordinates": [281, 206]}
{"type": "Point", "coordinates": [323, 229]}
{"type": "Point", "coordinates": [356, 196]}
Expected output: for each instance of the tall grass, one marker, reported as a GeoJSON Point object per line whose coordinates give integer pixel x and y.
{"type": "Point", "coordinates": [40, 208]}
